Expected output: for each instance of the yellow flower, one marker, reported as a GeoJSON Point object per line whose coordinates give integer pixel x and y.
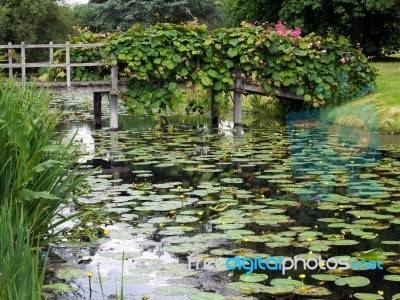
{"type": "Point", "coordinates": [179, 188]}
{"type": "Point", "coordinates": [106, 232]}
{"type": "Point", "coordinates": [380, 293]}
{"type": "Point", "coordinates": [89, 274]}
{"type": "Point", "coordinates": [181, 196]}
{"type": "Point", "coordinates": [246, 239]}
{"type": "Point", "coordinates": [309, 239]}
{"type": "Point", "coordinates": [302, 276]}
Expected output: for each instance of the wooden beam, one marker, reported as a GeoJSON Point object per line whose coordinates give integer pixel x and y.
{"type": "Point", "coordinates": [51, 53]}
{"type": "Point", "coordinates": [113, 112]}
{"type": "Point", "coordinates": [237, 99]}
{"type": "Point", "coordinates": [97, 109]}
{"type": "Point", "coordinates": [114, 97]}
{"type": "Point", "coordinates": [10, 60]}
{"type": "Point", "coordinates": [68, 63]}
{"type": "Point", "coordinates": [23, 67]}
{"type": "Point", "coordinates": [213, 112]}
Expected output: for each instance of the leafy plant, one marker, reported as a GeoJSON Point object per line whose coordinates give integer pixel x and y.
{"type": "Point", "coordinates": [20, 275]}
{"type": "Point", "coordinates": [164, 60]}
{"type": "Point", "coordinates": [36, 175]}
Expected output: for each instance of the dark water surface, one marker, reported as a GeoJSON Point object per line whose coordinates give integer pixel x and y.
{"type": "Point", "coordinates": [172, 187]}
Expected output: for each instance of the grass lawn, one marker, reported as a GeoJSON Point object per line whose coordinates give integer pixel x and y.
{"type": "Point", "coordinates": [386, 95]}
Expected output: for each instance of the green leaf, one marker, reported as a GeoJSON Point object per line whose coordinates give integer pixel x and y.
{"type": "Point", "coordinates": [233, 42]}
{"type": "Point", "coordinates": [232, 52]}
{"type": "Point", "coordinates": [206, 81]}
{"type": "Point", "coordinates": [177, 58]}
{"type": "Point", "coordinates": [254, 277]}
{"type": "Point", "coordinates": [47, 165]}
{"type": "Point", "coordinates": [212, 73]}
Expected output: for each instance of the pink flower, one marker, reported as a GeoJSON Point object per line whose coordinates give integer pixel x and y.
{"type": "Point", "coordinates": [344, 60]}
{"type": "Point", "coordinates": [281, 32]}
{"type": "Point", "coordinates": [296, 32]}
{"type": "Point", "coordinates": [279, 25]}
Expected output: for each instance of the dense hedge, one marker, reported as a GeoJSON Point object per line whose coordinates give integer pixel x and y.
{"type": "Point", "coordinates": [161, 60]}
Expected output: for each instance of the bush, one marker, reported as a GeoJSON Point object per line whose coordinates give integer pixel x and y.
{"type": "Point", "coordinates": [165, 59]}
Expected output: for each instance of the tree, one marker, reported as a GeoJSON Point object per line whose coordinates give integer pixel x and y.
{"type": "Point", "coordinates": [108, 15]}
{"type": "Point", "coordinates": [34, 21]}
{"type": "Point", "coordinates": [373, 24]}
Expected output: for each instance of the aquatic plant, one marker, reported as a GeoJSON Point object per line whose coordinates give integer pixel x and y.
{"type": "Point", "coordinates": [36, 174]}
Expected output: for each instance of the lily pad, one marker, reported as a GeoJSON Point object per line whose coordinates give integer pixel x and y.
{"type": "Point", "coordinates": [253, 277]}
{"type": "Point", "coordinates": [206, 296]}
{"type": "Point", "coordinates": [69, 273]}
{"type": "Point", "coordinates": [353, 281]}
{"type": "Point", "coordinates": [392, 277]}
{"type": "Point", "coordinates": [60, 287]}
{"type": "Point", "coordinates": [368, 296]}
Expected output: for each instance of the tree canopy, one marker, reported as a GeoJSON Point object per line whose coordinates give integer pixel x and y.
{"type": "Point", "coordinates": [373, 24]}
{"type": "Point", "coordinates": [101, 16]}
{"type": "Point", "coordinates": [34, 21]}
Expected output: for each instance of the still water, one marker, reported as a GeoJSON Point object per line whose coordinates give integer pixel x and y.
{"type": "Point", "coordinates": [169, 187]}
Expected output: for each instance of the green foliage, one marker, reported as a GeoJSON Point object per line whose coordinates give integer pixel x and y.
{"type": "Point", "coordinates": [164, 60]}
{"type": "Point", "coordinates": [35, 175]}
{"type": "Point", "coordinates": [108, 15]}
{"type": "Point", "coordinates": [374, 24]}
{"type": "Point", "coordinates": [20, 277]}
{"type": "Point", "coordinates": [34, 21]}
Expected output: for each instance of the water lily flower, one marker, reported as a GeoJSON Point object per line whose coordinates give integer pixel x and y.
{"type": "Point", "coordinates": [89, 274]}
{"type": "Point", "coordinates": [106, 232]}
{"type": "Point", "coordinates": [302, 277]}
{"type": "Point", "coordinates": [380, 293]}
{"type": "Point", "coordinates": [181, 196]}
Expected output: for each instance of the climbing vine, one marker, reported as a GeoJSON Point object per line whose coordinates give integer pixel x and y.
{"type": "Point", "coordinates": [166, 59]}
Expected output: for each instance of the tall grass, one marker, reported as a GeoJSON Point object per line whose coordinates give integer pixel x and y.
{"type": "Point", "coordinates": [33, 172]}
{"type": "Point", "coordinates": [36, 178]}
{"type": "Point", "coordinates": [20, 275]}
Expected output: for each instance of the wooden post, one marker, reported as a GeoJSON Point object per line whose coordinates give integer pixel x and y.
{"type": "Point", "coordinates": [237, 98]}
{"type": "Point", "coordinates": [97, 109]}
{"type": "Point", "coordinates": [114, 97]}
{"type": "Point", "coordinates": [23, 64]}
{"type": "Point", "coordinates": [68, 66]}
{"type": "Point", "coordinates": [51, 54]}
{"type": "Point", "coordinates": [10, 61]}
{"type": "Point", "coordinates": [214, 113]}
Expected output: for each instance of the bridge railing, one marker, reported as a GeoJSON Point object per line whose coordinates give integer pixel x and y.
{"type": "Point", "coordinates": [23, 64]}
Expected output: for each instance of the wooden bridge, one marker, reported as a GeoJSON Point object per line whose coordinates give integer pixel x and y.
{"type": "Point", "coordinates": [112, 87]}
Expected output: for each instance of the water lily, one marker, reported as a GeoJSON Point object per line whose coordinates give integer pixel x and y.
{"type": "Point", "coordinates": [106, 232]}
{"type": "Point", "coordinates": [380, 293]}
{"type": "Point", "coordinates": [302, 277]}
{"type": "Point", "coordinates": [89, 274]}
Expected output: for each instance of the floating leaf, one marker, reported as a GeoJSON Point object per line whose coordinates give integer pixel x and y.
{"type": "Point", "coordinates": [354, 281]}
{"type": "Point", "coordinates": [253, 277]}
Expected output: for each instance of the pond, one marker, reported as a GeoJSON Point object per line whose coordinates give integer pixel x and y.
{"type": "Point", "coordinates": [170, 192]}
